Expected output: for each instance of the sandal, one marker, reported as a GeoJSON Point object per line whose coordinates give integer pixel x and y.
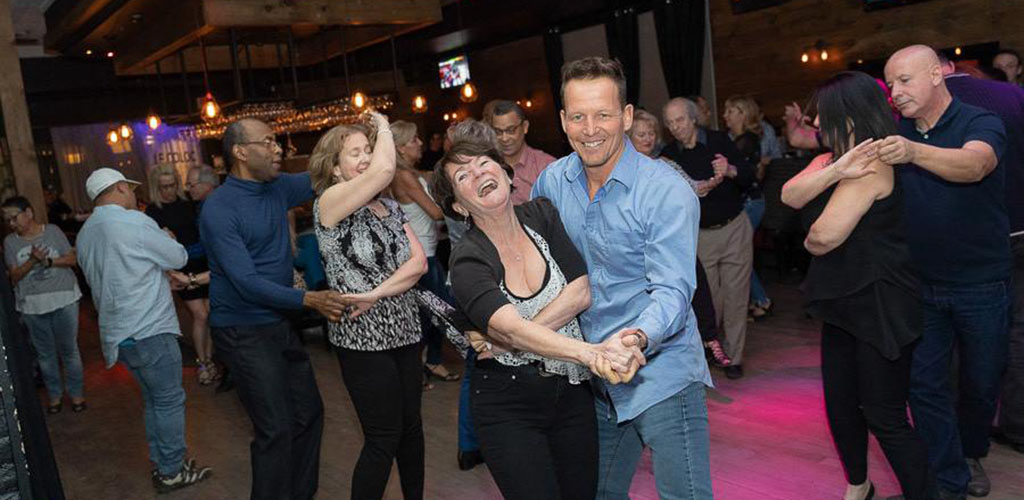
{"type": "Point", "coordinates": [204, 373]}
{"type": "Point", "coordinates": [440, 372]}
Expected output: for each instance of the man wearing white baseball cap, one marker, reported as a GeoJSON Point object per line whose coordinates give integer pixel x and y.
{"type": "Point", "coordinates": [124, 256]}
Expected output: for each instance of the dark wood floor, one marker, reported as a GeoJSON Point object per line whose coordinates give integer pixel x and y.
{"type": "Point", "coordinates": [769, 439]}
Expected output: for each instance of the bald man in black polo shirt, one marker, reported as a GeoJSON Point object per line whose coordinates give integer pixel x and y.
{"type": "Point", "coordinates": [949, 156]}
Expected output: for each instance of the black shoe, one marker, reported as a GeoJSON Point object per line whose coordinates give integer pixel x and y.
{"type": "Point", "coordinates": [470, 459]}
{"type": "Point", "coordinates": [226, 384]}
{"type": "Point", "coordinates": [979, 485]}
{"type": "Point", "coordinates": [949, 495]}
{"type": "Point", "coordinates": [733, 372]}
{"type": "Point", "coordinates": [1000, 437]}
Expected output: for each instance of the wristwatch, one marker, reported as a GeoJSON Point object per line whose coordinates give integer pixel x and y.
{"type": "Point", "coordinates": [192, 280]}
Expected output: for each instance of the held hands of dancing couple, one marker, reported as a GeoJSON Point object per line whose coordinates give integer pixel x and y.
{"type": "Point", "coordinates": [616, 360]}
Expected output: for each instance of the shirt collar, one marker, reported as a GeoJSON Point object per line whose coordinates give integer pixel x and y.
{"type": "Point", "coordinates": [624, 172]}
{"type": "Point", "coordinates": [947, 116]}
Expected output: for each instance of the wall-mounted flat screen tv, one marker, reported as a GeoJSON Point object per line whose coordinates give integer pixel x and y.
{"type": "Point", "coordinates": [454, 72]}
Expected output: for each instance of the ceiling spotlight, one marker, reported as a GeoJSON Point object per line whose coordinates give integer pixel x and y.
{"type": "Point", "coordinates": [529, 103]}
{"type": "Point", "coordinates": [110, 54]}
{"type": "Point", "coordinates": [88, 52]}
{"type": "Point", "coordinates": [824, 55]}
{"type": "Point", "coordinates": [957, 51]}
{"type": "Point", "coordinates": [804, 57]}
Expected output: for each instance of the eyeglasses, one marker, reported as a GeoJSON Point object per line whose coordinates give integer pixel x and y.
{"type": "Point", "coordinates": [10, 218]}
{"type": "Point", "coordinates": [269, 142]}
{"type": "Point", "coordinates": [511, 130]}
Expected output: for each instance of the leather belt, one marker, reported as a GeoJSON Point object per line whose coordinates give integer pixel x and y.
{"type": "Point", "coordinates": [723, 224]}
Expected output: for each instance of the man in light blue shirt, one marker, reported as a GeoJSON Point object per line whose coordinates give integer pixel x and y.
{"type": "Point", "coordinates": [124, 256]}
{"type": "Point", "coordinates": [634, 220]}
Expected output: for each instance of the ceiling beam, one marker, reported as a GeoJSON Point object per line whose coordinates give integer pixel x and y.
{"type": "Point", "coordinates": [238, 13]}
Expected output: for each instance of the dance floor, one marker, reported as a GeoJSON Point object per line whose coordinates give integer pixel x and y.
{"type": "Point", "coordinates": [769, 439]}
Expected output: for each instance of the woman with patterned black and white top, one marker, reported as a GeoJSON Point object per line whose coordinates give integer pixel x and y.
{"type": "Point", "coordinates": [371, 256]}
{"type": "Point", "coordinates": [518, 279]}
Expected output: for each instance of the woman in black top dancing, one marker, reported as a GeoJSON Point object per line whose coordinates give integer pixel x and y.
{"type": "Point", "coordinates": [860, 284]}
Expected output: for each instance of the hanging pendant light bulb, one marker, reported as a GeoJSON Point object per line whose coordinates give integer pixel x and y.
{"type": "Point", "coordinates": [153, 121]}
{"type": "Point", "coordinates": [468, 92]}
{"type": "Point", "coordinates": [210, 107]}
{"type": "Point", "coordinates": [824, 55]}
{"type": "Point", "coordinates": [419, 104]}
{"type": "Point", "coordinates": [804, 57]}
{"type": "Point", "coordinates": [113, 137]}
{"type": "Point", "coordinates": [125, 131]}
{"type": "Point", "coordinates": [358, 100]}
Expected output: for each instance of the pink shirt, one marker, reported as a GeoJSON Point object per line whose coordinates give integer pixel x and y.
{"type": "Point", "coordinates": [531, 163]}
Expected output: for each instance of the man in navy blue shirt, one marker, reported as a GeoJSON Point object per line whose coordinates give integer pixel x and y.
{"type": "Point", "coordinates": [957, 228]}
{"type": "Point", "coordinates": [1006, 101]}
{"type": "Point", "coordinates": [244, 228]}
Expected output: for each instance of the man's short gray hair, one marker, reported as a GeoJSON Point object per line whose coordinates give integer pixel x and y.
{"type": "Point", "coordinates": [206, 175]}
{"type": "Point", "coordinates": [689, 107]}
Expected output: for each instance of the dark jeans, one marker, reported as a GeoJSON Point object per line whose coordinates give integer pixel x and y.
{"type": "Point", "coordinates": [865, 391]}
{"type": "Point", "coordinates": [1011, 409]}
{"type": "Point", "coordinates": [275, 382]}
{"type": "Point", "coordinates": [385, 387]}
{"type": "Point", "coordinates": [975, 319]}
{"type": "Point", "coordinates": [433, 336]}
{"type": "Point", "coordinates": [537, 432]}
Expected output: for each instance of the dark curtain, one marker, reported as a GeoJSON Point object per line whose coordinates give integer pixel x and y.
{"type": "Point", "coordinates": [555, 59]}
{"type": "Point", "coordinates": [624, 45]}
{"type": "Point", "coordinates": [679, 25]}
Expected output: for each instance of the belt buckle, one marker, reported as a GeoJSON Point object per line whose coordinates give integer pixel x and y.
{"type": "Point", "coordinates": [543, 372]}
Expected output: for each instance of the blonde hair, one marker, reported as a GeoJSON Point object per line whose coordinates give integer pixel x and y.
{"type": "Point", "coordinates": [751, 112]}
{"type": "Point", "coordinates": [324, 157]}
{"type": "Point", "coordinates": [154, 176]}
{"type": "Point", "coordinates": [641, 115]}
{"type": "Point", "coordinates": [403, 133]}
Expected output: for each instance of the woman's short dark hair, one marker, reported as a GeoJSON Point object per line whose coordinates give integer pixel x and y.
{"type": "Point", "coordinates": [852, 98]}
{"type": "Point", "coordinates": [461, 152]}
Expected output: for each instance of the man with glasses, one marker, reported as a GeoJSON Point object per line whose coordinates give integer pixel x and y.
{"type": "Point", "coordinates": [244, 229]}
{"type": "Point", "coordinates": [510, 125]}
{"type": "Point", "coordinates": [200, 182]}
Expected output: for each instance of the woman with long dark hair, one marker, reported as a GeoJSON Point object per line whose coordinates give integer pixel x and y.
{"type": "Point", "coordinates": [860, 284]}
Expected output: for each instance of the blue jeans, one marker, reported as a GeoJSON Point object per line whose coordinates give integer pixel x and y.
{"type": "Point", "coordinates": [755, 211]}
{"type": "Point", "coordinates": [975, 319]}
{"type": "Point", "coordinates": [55, 337]}
{"type": "Point", "coordinates": [156, 364]}
{"type": "Point", "coordinates": [676, 429]}
{"type": "Point", "coordinates": [433, 336]}
{"type": "Point", "coordinates": [467, 433]}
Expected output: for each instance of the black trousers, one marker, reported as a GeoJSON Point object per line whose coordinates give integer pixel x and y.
{"type": "Point", "coordinates": [865, 391]}
{"type": "Point", "coordinates": [538, 433]}
{"type": "Point", "coordinates": [704, 307]}
{"type": "Point", "coordinates": [385, 387]}
{"type": "Point", "coordinates": [274, 380]}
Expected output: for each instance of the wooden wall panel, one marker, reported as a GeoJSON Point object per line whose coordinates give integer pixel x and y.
{"type": "Point", "coordinates": [759, 52]}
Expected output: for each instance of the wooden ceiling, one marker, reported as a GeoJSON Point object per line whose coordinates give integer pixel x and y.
{"type": "Point", "coordinates": [142, 32]}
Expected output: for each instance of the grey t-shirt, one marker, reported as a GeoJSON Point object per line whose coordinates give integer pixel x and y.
{"type": "Point", "coordinates": [43, 289]}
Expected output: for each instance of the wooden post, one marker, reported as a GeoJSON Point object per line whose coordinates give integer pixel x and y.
{"type": "Point", "coordinates": [15, 114]}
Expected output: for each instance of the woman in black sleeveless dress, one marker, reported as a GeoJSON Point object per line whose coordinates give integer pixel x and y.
{"type": "Point", "coordinates": [861, 286]}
